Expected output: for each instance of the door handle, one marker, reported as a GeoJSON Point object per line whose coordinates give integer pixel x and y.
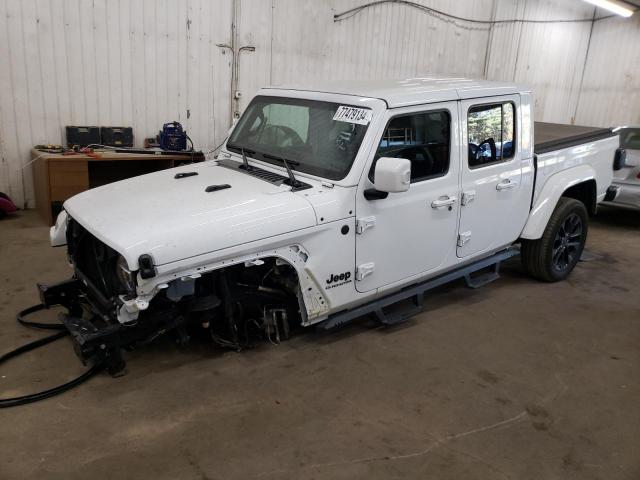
{"type": "Point", "coordinates": [442, 202]}
{"type": "Point", "coordinates": [505, 184]}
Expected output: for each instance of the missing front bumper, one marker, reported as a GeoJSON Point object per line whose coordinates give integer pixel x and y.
{"type": "Point", "coordinates": [96, 336]}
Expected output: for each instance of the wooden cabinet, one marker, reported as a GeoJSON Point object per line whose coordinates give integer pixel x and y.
{"type": "Point", "coordinates": [67, 178]}
{"type": "Point", "coordinates": [58, 177]}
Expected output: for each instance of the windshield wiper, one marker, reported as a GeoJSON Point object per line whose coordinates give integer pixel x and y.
{"type": "Point", "coordinates": [292, 179]}
{"type": "Point", "coordinates": [234, 147]}
{"type": "Point", "coordinates": [243, 151]}
{"type": "Point", "coordinates": [245, 162]}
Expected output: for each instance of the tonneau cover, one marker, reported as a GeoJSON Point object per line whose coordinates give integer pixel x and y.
{"type": "Point", "coordinates": [554, 136]}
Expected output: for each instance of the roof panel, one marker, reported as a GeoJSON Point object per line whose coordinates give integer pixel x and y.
{"type": "Point", "coordinates": [413, 91]}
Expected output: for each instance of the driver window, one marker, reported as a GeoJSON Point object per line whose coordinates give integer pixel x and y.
{"type": "Point", "coordinates": [423, 138]}
{"type": "Point", "coordinates": [490, 131]}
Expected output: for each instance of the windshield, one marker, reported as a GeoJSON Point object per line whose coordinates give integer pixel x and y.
{"type": "Point", "coordinates": [319, 138]}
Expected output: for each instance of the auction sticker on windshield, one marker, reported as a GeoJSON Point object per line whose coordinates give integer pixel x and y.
{"type": "Point", "coordinates": [361, 116]}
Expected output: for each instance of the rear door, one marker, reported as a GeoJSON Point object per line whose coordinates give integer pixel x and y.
{"type": "Point", "coordinates": [493, 198]}
{"type": "Point", "coordinates": [411, 233]}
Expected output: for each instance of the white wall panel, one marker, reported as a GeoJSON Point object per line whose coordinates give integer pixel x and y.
{"type": "Point", "coordinates": [386, 40]}
{"type": "Point", "coordinates": [145, 62]}
{"type": "Point", "coordinates": [255, 22]}
{"type": "Point", "coordinates": [17, 132]}
{"type": "Point", "coordinates": [208, 72]}
{"type": "Point", "coordinates": [610, 93]}
{"type": "Point", "coordinates": [8, 145]}
{"type": "Point", "coordinates": [121, 62]}
{"type": "Point", "coordinates": [548, 57]}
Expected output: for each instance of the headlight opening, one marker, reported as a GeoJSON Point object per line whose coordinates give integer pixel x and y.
{"type": "Point", "coordinates": [126, 277]}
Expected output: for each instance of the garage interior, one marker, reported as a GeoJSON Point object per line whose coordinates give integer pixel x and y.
{"type": "Point", "coordinates": [520, 379]}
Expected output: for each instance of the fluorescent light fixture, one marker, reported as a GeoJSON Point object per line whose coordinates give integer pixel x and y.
{"type": "Point", "coordinates": [614, 6]}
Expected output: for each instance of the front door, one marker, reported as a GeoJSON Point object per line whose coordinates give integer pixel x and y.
{"type": "Point", "coordinates": [414, 232]}
{"type": "Point", "coordinates": [494, 200]}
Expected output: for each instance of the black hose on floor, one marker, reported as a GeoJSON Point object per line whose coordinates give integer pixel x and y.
{"type": "Point", "coordinates": [63, 332]}
{"type": "Point", "coordinates": [43, 326]}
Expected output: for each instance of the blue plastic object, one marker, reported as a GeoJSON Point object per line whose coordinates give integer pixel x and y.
{"type": "Point", "coordinates": [173, 137]}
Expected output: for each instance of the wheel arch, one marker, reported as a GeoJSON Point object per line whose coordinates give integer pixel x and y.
{"type": "Point", "coordinates": [577, 182]}
{"type": "Point", "coordinates": [313, 304]}
{"type": "Point", "coordinates": [584, 192]}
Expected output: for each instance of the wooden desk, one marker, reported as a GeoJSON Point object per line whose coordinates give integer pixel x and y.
{"type": "Point", "coordinates": [58, 177]}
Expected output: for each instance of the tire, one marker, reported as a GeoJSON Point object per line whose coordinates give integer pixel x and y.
{"type": "Point", "coordinates": [553, 256]}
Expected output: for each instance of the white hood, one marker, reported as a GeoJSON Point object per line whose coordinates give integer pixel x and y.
{"type": "Point", "coordinates": [172, 219]}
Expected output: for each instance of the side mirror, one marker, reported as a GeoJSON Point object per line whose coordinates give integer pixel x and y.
{"type": "Point", "coordinates": [492, 150]}
{"type": "Point", "coordinates": [392, 175]}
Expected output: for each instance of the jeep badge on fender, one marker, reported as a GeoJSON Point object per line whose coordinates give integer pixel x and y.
{"type": "Point", "coordinates": [341, 279]}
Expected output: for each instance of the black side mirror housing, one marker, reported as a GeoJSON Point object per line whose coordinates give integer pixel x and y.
{"type": "Point", "coordinates": [373, 194]}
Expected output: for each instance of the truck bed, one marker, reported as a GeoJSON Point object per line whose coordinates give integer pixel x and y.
{"type": "Point", "coordinates": [554, 136]}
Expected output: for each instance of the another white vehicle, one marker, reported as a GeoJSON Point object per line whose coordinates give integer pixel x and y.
{"type": "Point", "coordinates": [326, 204]}
{"type": "Point", "coordinates": [626, 181]}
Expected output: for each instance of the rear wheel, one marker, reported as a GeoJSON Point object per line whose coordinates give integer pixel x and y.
{"type": "Point", "coordinates": [553, 256]}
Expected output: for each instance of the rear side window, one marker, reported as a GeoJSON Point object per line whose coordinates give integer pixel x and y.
{"type": "Point", "coordinates": [423, 138]}
{"type": "Point", "coordinates": [491, 133]}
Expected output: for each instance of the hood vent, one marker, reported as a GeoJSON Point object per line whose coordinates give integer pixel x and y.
{"type": "Point", "coordinates": [266, 175]}
{"type": "Point", "coordinates": [184, 175]}
{"type": "Point", "coordinates": [215, 188]}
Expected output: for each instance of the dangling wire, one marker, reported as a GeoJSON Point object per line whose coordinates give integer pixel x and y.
{"type": "Point", "coordinates": [454, 18]}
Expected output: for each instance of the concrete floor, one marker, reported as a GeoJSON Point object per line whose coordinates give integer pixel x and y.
{"type": "Point", "coordinates": [519, 379]}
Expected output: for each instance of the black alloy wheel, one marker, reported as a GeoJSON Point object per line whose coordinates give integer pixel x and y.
{"type": "Point", "coordinates": [568, 243]}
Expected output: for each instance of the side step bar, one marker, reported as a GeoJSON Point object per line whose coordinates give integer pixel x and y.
{"type": "Point", "coordinates": [483, 278]}
{"type": "Point", "coordinates": [416, 292]}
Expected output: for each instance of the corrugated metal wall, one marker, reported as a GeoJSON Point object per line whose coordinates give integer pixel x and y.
{"type": "Point", "coordinates": [145, 62]}
{"type": "Point", "coordinates": [548, 57]}
{"type": "Point", "coordinates": [610, 91]}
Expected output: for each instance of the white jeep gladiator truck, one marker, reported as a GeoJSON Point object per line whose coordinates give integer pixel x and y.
{"type": "Point", "coordinates": [326, 204]}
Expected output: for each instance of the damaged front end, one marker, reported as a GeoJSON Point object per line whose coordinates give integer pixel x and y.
{"type": "Point", "coordinates": [235, 306]}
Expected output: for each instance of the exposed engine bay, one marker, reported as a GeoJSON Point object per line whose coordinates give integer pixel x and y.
{"type": "Point", "coordinates": [236, 307]}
